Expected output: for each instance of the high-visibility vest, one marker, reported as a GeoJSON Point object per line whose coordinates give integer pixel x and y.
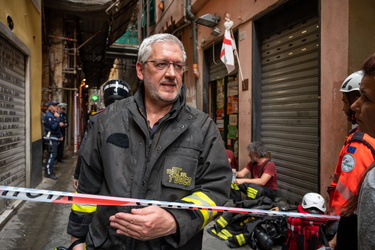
{"type": "Point", "coordinates": [337, 172]}
{"type": "Point", "coordinates": [357, 154]}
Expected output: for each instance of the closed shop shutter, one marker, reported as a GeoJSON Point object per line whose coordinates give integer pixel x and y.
{"type": "Point", "coordinates": [290, 107]}
{"type": "Point", "coordinates": [217, 70]}
{"type": "Point", "coordinates": [12, 117]}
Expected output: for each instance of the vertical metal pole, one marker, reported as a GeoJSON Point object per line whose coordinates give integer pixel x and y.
{"type": "Point", "coordinates": [76, 123]}
{"type": "Point", "coordinates": [76, 104]}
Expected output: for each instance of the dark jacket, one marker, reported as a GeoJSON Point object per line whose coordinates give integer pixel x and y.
{"type": "Point", "coordinates": [63, 119]}
{"type": "Point", "coordinates": [51, 124]}
{"type": "Point", "coordinates": [184, 161]}
{"type": "Point", "coordinates": [90, 124]}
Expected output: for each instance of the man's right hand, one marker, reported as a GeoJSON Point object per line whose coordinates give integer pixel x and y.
{"type": "Point", "coordinates": [144, 223]}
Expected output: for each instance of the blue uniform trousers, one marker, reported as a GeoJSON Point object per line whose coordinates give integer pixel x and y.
{"type": "Point", "coordinates": [52, 146]}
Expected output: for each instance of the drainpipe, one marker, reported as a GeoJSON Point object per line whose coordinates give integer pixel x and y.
{"type": "Point", "coordinates": [186, 21]}
{"type": "Point", "coordinates": [195, 53]}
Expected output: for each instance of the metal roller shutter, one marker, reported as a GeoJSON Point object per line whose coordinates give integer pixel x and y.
{"type": "Point", "coordinates": [290, 107]}
{"type": "Point", "coordinates": [217, 71]}
{"type": "Point", "coordinates": [12, 117]}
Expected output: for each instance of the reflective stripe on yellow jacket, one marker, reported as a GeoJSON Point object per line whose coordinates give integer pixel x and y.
{"type": "Point", "coordinates": [200, 198]}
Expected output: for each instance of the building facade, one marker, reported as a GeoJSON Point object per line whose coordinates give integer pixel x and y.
{"type": "Point", "coordinates": [20, 94]}
{"type": "Point", "coordinates": [292, 58]}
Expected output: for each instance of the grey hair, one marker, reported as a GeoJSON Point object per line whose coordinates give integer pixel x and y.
{"type": "Point", "coordinates": [257, 148]}
{"type": "Point", "coordinates": [144, 51]}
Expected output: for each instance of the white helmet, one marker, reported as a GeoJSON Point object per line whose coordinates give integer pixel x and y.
{"type": "Point", "coordinates": [314, 200]}
{"type": "Point", "coordinates": [352, 82]}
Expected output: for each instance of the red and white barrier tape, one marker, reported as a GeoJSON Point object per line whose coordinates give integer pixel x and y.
{"type": "Point", "coordinates": [40, 195]}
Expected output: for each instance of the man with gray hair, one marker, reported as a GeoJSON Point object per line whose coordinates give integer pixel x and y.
{"type": "Point", "coordinates": [152, 146]}
{"type": "Point", "coordinates": [263, 181]}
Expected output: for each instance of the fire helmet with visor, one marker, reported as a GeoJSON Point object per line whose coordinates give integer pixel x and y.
{"type": "Point", "coordinates": [115, 90]}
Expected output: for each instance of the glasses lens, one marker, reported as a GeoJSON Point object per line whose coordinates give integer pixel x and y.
{"type": "Point", "coordinates": [163, 65]}
{"type": "Point", "coordinates": [179, 67]}
{"type": "Point", "coordinates": [160, 65]}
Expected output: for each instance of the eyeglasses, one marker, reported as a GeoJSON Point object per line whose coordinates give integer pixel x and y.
{"type": "Point", "coordinates": [164, 65]}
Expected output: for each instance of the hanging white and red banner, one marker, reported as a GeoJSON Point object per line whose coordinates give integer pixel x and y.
{"type": "Point", "coordinates": [229, 45]}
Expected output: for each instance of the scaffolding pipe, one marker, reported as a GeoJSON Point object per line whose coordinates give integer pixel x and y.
{"type": "Point", "coordinates": [77, 109]}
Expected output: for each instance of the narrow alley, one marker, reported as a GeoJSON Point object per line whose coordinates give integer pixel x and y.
{"type": "Point", "coordinates": [38, 225]}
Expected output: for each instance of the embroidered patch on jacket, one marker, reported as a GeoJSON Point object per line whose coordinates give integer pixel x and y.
{"type": "Point", "coordinates": [176, 176]}
{"type": "Point", "coordinates": [348, 163]}
{"type": "Point", "coordinates": [351, 149]}
{"type": "Point", "coordinates": [119, 140]}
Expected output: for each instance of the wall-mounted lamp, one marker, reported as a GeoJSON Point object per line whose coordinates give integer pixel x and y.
{"type": "Point", "coordinates": [208, 20]}
{"type": "Point", "coordinates": [161, 5]}
{"type": "Point", "coordinates": [216, 31]}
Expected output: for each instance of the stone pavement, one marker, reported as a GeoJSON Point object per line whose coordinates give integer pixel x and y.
{"type": "Point", "coordinates": [38, 226]}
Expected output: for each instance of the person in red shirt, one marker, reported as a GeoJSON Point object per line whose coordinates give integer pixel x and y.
{"type": "Point", "coordinates": [263, 181]}
{"type": "Point", "coordinates": [232, 159]}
